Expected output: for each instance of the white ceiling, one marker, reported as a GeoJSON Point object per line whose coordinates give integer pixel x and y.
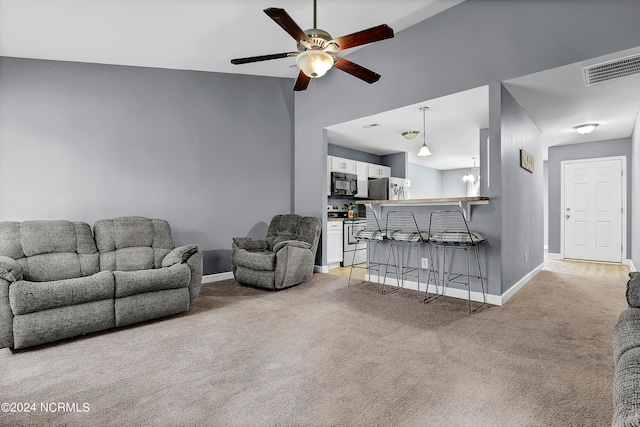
{"type": "Point", "coordinates": [205, 35]}
{"type": "Point", "coordinates": [201, 35]}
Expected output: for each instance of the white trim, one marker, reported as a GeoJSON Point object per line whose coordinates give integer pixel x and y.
{"type": "Point", "coordinates": [209, 278]}
{"type": "Point", "coordinates": [552, 255]}
{"type": "Point", "coordinates": [320, 268]}
{"type": "Point", "coordinates": [623, 166]}
{"type": "Point", "coordinates": [515, 288]}
{"type": "Point", "coordinates": [463, 293]}
{"type": "Point", "coordinates": [631, 266]}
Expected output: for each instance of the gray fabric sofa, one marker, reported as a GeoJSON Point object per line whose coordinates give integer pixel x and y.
{"type": "Point", "coordinates": [283, 259]}
{"type": "Point", "coordinates": [59, 280]}
{"type": "Point", "coordinates": [626, 359]}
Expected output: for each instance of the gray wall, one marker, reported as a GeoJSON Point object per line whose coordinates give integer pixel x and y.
{"type": "Point", "coordinates": [588, 150]}
{"type": "Point", "coordinates": [634, 245]}
{"type": "Point", "coordinates": [350, 153]}
{"type": "Point", "coordinates": [426, 182]}
{"type": "Point", "coordinates": [398, 162]}
{"type": "Point", "coordinates": [469, 45]}
{"type": "Point", "coordinates": [211, 153]}
{"type": "Point", "coordinates": [522, 192]}
{"type": "Point", "coordinates": [452, 183]}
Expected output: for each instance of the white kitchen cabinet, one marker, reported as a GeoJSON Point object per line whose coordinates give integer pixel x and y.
{"type": "Point", "coordinates": [378, 171]}
{"type": "Point", "coordinates": [339, 164]}
{"type": "Point", "coordinates": [334, 243]}
{"type": "Point", "coordinates": [363, 178]}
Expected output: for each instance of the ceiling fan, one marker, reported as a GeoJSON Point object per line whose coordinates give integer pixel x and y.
{"type": "Point", "coordinates": [316, 49]}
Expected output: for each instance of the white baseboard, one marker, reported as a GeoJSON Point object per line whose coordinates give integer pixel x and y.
{"type": "Point", "coordinates": [551, 255]}
{"type": "Point", "coordinates": [520, 283]}
{"type": "Point", "coordinates": [463, 293]}
{"type": "Point", "coordinates": [321, 268]}
{"type": "Point", "coordinates": [209, 278]}
{"type": "Point", "coordinates": [631, 266]}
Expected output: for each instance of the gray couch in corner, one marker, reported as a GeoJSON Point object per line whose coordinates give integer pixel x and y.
{"type": "Point", "coordinates": [58, 280]}
{"type": "Point", "coordinates": [283, 259]}
{"type": "Point", "coordinates": [626, 359]}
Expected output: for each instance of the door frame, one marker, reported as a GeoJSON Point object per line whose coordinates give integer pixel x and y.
{"type": "Point", "coordinates": [625, 212]}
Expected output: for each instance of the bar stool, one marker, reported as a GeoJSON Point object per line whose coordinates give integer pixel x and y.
{"type": "Point", "coordinates": [449, 230]}
{"type": "Point", "coordinates": [403, 232]}
{"type": "Point", "coordinates": [369, 232]}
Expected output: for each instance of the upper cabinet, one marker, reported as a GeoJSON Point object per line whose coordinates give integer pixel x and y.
{"type": "Point", "coordinates": [339, 164]}
{"type": "Point", "coordinates": [379, 171]}
{"type": "Point", "coordinates": [363, 170]}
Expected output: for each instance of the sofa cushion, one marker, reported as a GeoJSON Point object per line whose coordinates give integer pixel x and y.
{"type": "Point", "coordinates": [132, 243]}
{"type": "Point", "coordinates": [28, 297]}
{"type": "Point", "coordinates": [256, 260]}
{"type": "Point", "coordinates": [137, 282]}
{"type": "Point", "coordinates": [50, 250]}
{"type": "Point", "coordinates": [627, 333]}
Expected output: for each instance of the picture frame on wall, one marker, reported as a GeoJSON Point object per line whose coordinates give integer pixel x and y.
{"type": "Point", "coordinates": [527, 160]}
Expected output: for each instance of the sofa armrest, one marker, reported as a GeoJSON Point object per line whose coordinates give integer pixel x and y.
{"type": "Point", "coordinates": [10, 269]}
{"type": "Point", "coordinates": [633, 289]}
{"type": "Point", "coordinates": [292, 243]}
{"type": "Point", "coordinates": [179, 255]}
{"type": "Point", "coordinates": [250, 244]}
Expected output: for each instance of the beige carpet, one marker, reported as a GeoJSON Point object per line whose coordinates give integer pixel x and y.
{"type": "Point", "coordinates": [323, 354]}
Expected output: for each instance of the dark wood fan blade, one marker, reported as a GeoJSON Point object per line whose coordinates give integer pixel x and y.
{"type": "Point", "coordinates": [356, 70]}
{"type": "Point", "coordinates": [287, 23]}
{"type": "Point", "coordinates": [263, 57]}
{"type": "Point", "coordinates": [302, 82]}
{"type": "Point", "coordinates": [381, 32]}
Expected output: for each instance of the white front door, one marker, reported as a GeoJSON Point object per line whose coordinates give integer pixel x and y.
{"type": "Point", "coordinates": [592, 215]}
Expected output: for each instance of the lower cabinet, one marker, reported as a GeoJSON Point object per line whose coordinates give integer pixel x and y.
{"type": "Point", "coordinates": [334, 243]}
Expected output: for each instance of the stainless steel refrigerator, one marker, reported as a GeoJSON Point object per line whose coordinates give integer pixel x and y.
{"type": "Point", "coordinates": [389, 189]}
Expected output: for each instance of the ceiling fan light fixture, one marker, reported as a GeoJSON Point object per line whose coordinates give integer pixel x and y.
{"type": "Point", "coordinates": [585, 128]}
{"type": "Point", "coordinates": [411, 134]}
{"type": "Point", "coordinates": [314, 63]}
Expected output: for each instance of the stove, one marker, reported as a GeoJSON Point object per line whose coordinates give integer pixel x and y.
{"type": "Point", "coordinates": [337, 211]}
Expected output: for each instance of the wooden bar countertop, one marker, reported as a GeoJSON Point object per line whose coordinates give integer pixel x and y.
{"type": "Point", "coordinates": [434, 201]}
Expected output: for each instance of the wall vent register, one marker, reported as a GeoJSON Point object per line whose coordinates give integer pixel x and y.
{"type": "Point", "coordinates": [610, 70]}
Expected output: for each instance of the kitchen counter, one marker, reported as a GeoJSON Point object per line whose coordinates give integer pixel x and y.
{"type": "Point", "coordinates": [463, 202]}
{"type": "Point", "coordinates": [476, 200]}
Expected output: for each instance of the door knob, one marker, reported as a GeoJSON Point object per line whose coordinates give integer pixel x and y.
{"type": "Point", "coordinates": [567, 216]}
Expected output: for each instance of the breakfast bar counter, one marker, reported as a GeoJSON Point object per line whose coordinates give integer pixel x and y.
{"type": "Point", "coordinates": [463, 202]}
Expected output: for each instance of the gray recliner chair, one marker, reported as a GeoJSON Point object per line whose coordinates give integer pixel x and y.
{"type": "Point", "coordinates": [284, 258]}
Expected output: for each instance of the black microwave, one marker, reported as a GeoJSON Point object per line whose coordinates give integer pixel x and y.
{"type": "Point", "coordinates": [344, 184]}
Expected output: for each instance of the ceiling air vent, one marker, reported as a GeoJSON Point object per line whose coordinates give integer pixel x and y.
{"type": "Point", "coordinates": [610, 70]}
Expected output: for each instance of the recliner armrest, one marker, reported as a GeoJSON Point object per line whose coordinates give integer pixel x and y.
{"type": "Point", "coordinates": [251, 244]}
{"type": "Point", "coordinates": [179, 255]}
{"type": "Point", "coordinates": [10, 269]}
{"type": "Point", "coordinates": [292, 243]}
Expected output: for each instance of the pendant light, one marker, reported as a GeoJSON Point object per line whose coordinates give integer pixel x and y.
{"type": "Point", "coordinates": [424, 150]}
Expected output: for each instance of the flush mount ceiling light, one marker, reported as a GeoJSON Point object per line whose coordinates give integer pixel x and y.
{"type": "Point", "coordinates": [411, 134]}
{"type": "Point", "coordinates": [424, 150]}
{"type": "Point", "coordinates": [585, 128]}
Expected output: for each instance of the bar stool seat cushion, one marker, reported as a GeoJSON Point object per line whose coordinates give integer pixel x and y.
{"type": "Point", "coordinates": [408, 236]}
{"type": "Point", "coordinates": [370, 234]}
{"type": "Point", "coordinates": [459, 238]}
